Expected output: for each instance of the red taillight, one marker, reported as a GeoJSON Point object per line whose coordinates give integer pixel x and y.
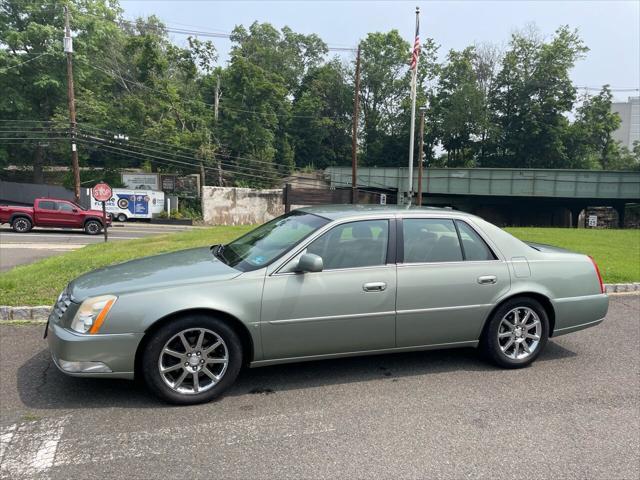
{"type": "Point", "coordinates": [595, 265]}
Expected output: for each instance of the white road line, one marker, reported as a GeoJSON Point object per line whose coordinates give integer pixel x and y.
{"type": "Point", "coordinates": [41, 246]}
{"type": "Point", "coordinates": [31, 447]}
{"type": "Point", "coordinates": [63, 236]}
{"type": "Point", "coordinates": [6, 434]}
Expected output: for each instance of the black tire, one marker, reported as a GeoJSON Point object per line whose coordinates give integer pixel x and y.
{"type": "Point", "coordinates": [151, 358]}
{"type": "Point", "coordinates": [92, 227]}
{"type": "Point", "coordinates": [121, 217]}
{"type": "Point", "coordinates": [490, 344]}
{"type": "Point", "coordinates": [21, 224]}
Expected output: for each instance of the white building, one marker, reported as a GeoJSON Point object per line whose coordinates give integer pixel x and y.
{"type": "Point", "coordinates": [629, 112]}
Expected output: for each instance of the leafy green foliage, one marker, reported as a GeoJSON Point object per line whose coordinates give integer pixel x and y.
{"type": "Point", "coordinates": [283, 103]}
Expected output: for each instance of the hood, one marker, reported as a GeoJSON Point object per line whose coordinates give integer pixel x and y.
{"type": "Point", "coordinates": [195, 265]}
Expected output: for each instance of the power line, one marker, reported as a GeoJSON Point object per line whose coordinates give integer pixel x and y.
{"type": "Point", "coordinates": [4, 69]}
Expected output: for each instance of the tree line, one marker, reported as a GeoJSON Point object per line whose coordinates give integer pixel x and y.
{"type": "Point", "coordinates": [284, 100]}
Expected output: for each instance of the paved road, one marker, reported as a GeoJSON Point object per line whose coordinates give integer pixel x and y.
{"type": "Point", "coordinates": [573, 414]}
{"type": "Point", "coordinates": [22, 248]}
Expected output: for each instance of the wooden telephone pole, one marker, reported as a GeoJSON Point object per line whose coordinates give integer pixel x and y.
{"type": "Point", "coordinates": [354, 134]}
{"type": "Point", "coordinates": [68, 48]}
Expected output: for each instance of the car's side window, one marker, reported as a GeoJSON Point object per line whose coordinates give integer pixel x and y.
{"type": "Point", "coordinates": [354, 244]}
{"type": "Point", "coordinates": [47, 205]}
{"type": "Point", "coordinates": [430, 240]}
{"type": "Point", "coordinates": [65, 207]}
{"type": "Point", "coordinates": [475, 248]}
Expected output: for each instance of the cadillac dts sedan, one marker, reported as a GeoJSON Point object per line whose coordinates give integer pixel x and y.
{"type": "Point", "coordinates": [320, 283]}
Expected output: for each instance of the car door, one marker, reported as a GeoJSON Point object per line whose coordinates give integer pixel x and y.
{"type": "Point", "coordinates": [46, 213]}
{"type": "Point", "coordinates": [448, 281]}
{"type": "Point", "coordinates": [347, 307]}
{"type": "Point", "coordinates": [67, 215]}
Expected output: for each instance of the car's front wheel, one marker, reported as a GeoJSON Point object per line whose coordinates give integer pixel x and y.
{"type": "Point", "coordinates": [192, 360]}
{"type": "Point", "coordinates": [516, 333]}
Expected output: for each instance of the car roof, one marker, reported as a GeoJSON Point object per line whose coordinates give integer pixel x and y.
{"type": "Point", "coordinates": [334, 212]}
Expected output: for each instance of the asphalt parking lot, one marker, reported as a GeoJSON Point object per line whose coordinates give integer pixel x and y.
{"type": "Point", "coordinates": [445, 414]}
{"type": "Point", "coordinates": [22, 248]}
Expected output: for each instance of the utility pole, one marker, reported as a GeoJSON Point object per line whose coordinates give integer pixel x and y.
{"type": "Point", "coordinates": [216, 108]}
{"type": "Point", "coordinates": [216, 102]}
{"type": "Point", "coordinates": [354, 133]}
{"type": "Point", "coordinates": [421, 155]}
{"type": "Point", "coordinates": [68, 48]}
{"type": "Point", "coordinates": [202, 180]}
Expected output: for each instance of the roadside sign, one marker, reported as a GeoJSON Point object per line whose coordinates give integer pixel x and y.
{"type": "Point", "coordinates": [102, 192]}
{"type": "Point", "coordinates": [383, 199]}
{"type": "Point", "coordinates": [593, 220]}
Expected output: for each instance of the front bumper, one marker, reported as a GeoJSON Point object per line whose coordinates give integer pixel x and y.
{"type": "Point", "coordinates": [98, 355]}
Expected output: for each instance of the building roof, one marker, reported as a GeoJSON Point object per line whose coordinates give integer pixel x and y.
{"type": "Point", "coordinates": [334, 212]}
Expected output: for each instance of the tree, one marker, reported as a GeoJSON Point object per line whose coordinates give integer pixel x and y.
{"type": "Point", "coordinates": [458, 108]}
{"type": "Point", "coordinates": [532, 93]}
{"type": "Point", "coordinates": [33, 70]}
{"type": "Point", "coordinates": [385, 87]}
{"type": "Point", "coordinates": [321, 117]}
{"type": "Point", "coordinates": [591, 135]}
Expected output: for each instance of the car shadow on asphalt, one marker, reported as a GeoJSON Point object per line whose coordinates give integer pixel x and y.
{"type": "Point", "coordinates": [41, 386]}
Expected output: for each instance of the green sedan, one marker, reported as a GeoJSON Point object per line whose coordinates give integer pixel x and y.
{"type": "Point", "coordinates": [319, 283]}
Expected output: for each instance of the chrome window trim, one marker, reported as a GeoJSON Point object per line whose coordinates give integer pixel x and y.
{"type": "Point", "coordinates": [287, 257]}
{"type": "Point", "coordinates": [499, 256]}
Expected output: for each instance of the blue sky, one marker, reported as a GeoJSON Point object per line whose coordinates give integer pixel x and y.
{"type": "Point", "coordinates": [611, 29]}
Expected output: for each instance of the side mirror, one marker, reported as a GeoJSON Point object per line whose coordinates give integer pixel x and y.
{"type": "Point", "coordinates": [310, 262]}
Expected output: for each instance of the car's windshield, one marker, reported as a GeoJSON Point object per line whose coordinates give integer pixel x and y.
{"type": "Point", "coordinates": [269, 241]}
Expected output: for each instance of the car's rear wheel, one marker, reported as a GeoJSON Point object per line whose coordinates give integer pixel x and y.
{"type": "Point", "coordinates": [93, 227]}
{"type": "Point", "coordinates": [192, 360]}
{"type": "Point", "coordinates": [516, 333]}
{"type": "Point", "coordinates": [21, 224]}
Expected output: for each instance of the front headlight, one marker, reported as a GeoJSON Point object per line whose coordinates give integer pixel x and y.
{"type": "Point", "coordinates": [91, 314]}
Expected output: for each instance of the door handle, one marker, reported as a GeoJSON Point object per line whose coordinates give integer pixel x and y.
{"type": "Point", "coordinates": [374, 287]}
{"type": "Point", "coordinates": [487, 279]}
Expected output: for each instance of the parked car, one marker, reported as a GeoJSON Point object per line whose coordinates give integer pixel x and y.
{"type": "Point", "coordinates": [53, 212]}
{"type": "Point", "coordinates": [318, 283]}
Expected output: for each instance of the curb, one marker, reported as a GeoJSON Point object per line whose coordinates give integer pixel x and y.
{"type": "Point", "coordinates": [622, 287]}
{"type": "Point", "coordinates": [41, 312]}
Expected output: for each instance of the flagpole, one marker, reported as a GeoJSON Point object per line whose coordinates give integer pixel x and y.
{"type": "Point", "coordinates": [413, 114]}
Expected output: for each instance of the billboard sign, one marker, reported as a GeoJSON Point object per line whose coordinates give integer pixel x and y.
{"type": "Point", "coordinates": [141, 181]}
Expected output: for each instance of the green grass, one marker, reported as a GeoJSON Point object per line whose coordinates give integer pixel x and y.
{"type": "Point", "coordinates": [616, 251]}
{"type": "Point", "coordinates": [40, 283]}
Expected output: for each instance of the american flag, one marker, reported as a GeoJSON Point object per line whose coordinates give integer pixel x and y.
{"type": "Point", "coordinates": [416, 46]}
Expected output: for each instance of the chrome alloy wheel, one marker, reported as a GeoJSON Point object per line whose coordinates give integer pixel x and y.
{"type": "Point", "coordinates": [519, 333]}
{"type": "Point", "coordinates": [193, 361]}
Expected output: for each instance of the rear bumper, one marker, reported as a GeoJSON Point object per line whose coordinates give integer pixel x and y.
{"type": "Point", "coordinates": [100, 355]}
{"type": "Point", "coordinates": [576, 313]}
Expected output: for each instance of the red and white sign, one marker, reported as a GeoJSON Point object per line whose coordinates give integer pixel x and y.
{"type": "Point", "coordinates": [102, 192]}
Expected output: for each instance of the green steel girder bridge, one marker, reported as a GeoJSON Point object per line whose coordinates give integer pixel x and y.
{"type": "Point", "coordinates": [510, 195]}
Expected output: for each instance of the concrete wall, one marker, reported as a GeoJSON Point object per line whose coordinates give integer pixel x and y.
{"type": "Point", "coordinates": [240, 206]}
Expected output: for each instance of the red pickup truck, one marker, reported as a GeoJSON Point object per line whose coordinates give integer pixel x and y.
{"type": "Point", "coordinates": [52, 212]}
